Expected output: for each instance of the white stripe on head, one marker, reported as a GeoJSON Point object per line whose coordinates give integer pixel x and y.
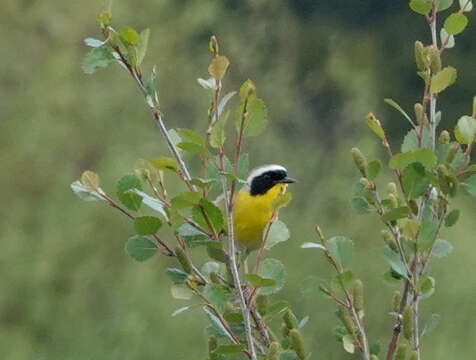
{"type": "Point", "coordinates": [261, 170]}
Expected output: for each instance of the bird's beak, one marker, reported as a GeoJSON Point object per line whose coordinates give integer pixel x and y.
{"type": "Point", "coordinates": [288, 180]}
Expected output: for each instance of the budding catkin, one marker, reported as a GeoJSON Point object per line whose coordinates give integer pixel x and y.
{"type": "Point", "coordinates": [392, 188]}
{"type": "Point", "coordinates": [360, 161]}
{"type": "Point", "coordinates": [273, 351]}
{"type": "Point", "coordinates": [290, 320]}
{"type": "Point", "coordinates": [396, 301]}
{"type": "Point", "coordinates": [420, 57]}
{"type": "Point", "coordinates": [419, 113]}
{"type": "Point", "coordinates": [346, 320]}
{"type": "Point", "coordinates": [401, 352]}
{"type": "Point", "coordinates": [297, 343]}
{"type": "Point", "coordinates": [408, 323]}
{"type": "Point", "coordinates": [435, 59]}
{"type": "Point", "coordinates": [452, 153]}
{"type": "Point", "coordinates": [393, 201]}
{"type": "Point", "coordinates": [444, 137]}
{"type": "Point", "coordinates": [183, 260]}
{"type": "Point", "coordinates": [358, 295]}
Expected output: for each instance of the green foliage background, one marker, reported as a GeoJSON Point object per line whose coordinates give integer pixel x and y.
{"type": "Point", "coordinates": [67, 289]}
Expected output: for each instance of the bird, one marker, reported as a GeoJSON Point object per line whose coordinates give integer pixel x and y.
{"type": "Point", "coordinates": [253, 204]}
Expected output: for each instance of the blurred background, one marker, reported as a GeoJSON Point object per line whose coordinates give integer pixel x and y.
{"type": "Point", "coordinates": [67, 288]}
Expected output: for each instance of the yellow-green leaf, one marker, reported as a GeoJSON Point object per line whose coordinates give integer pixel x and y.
{"type": "Point", "coordinates": [455, 23]}
{"type": "Point", "coordinates": [443, 79]}
{"type": "Point", "coordinates": [218, 67]}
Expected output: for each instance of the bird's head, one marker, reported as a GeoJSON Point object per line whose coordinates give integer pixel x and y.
{"type": "Point", "coordinates": [265, 177]}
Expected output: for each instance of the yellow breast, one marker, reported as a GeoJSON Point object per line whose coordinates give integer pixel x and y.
{"type": "Point", "coordinates": [252, 214]}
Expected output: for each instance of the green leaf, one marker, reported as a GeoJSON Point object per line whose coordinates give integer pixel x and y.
{"type": "Point", "coordinates": [431, 324]}
{"type": "Point", "coordinates": [176, 275]}
{"type": "Point", "coordinates": [255, 117]}
{"type": "Point", "coordinates": [181, 292]}
{"type": "Point", "coordinates": [429, 228]}
{"type": "Point", "coordinates": [186, 199]}
{"type": "Point", "coordinates": [164, 163]}
{"type": "Point", "coordinates": [466, 5]}
{"type": "Point", "coordinates": [129, 36]}
{"type": "Point", "coordinates": [340, 248]}
{"type": "Point", "coordinates": [470, 185]}
{"type": "Point", "coordinates": [213, 213]}
{"type": "Point", "coordinates": [190, 136]}
{"type": "Point", "coordinates": [243, 166]}
{"type": "Point", "coordinates": [272, 269]}
{"type": "Point", "coordinates": [373, 169]}
{"type": "Point", "coordinates": [141, 248]}
{"type": "Point", "coordinates": [288, 355]}
{"type": "Point", "coordinates": [94, 43]}
{"type": "Point", "coordinates": [142, 45]}
{"type": "Point", "coordinates": [218, 295]}
{"type": "Point", "coordinates": [128, 198]}
{"type": "Point", "coordinates": [230, 349]}
{"type": "Point", "coordinates": [452, 218]}
{"type": "Point", "coordinates": [360, 205]}
{"type": "Point", "coordinates": [455, 23]}
{"type": "Point", "coordinates": [278, 233]}
{"type": "Point", "coordinates": [375, 126]}
{"type": "Point", "coordinates": [218, 135]}
{"type": "Point", "coordinates": [425, 157]}
{"type": "Point", "coordinates": [181, 310]}
{"type": "Point", "coordinates": [312, 245]}
{"type": "Point", "coordinates": [393, 259]}
{"type": "Point", "coordinates": [348, 343]}
{"type": "Point", "coordinates": [447, 40]}
{"type": "Point", "coordinates": [153, 203]}
{"type": "Point", "coordinates": [441, 248]}
{"type": "Point", "coordinates": [345, 279]}
{"type": "Point", "coordinates": [85, 193]}
{"type": "Point", "coordinates": [410, 142]}
{"type": "Point", "coordinates": [465, 130]}
{"type": "Point", "coordinates": [443, 4]}
{"type": "Point", "coordinates": [441, 80]}
{"type": "Point", "coordinates": [97, 58]}
{"type": "Point", "coordinates": [216, 323]}
{"type": "Point", "coordinates": [258, 281]}
{"type": "Point", "coordinates": [422, 7]}
{"type": "Point", "coordinates": [427, 287]}
{"type": "Point", "coordinates": [395, 214]}
{"type": "Point", "coordinates": [147, 225]}
{"type": "Point", "coordinates": [414, 179]}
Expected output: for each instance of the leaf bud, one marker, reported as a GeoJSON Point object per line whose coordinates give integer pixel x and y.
{"type": "Point", "coordinates": [421, 59]}
{"type": "Point", "coordinates": [396, 299]}
{"type": "Point", "coordinates": [358, 295]}
{"type": "Point", "coordinates": [452, 154]}
{"type": "Point", "coordinates": [290, 320]}
{"type": "Point", "coordinates": [401, 353]}
{"type": "Point", "coordinates": [213, 45]}
{"type": "Point", "coordinates": [435, 59]}
{"type": "Point", "coordinates": [183, 260]}
{"type": "Point", "coordinates": [393, 201]}
{"type": "Point", "coordinates": [360, 161]}
{"type": "Point", "coordinates": [389, 240]}
{"type": "Point", "coordinates": [247, 89]}
{"type": "Point", "coordinates": [374, 124]}
{"type": "Point", "coordinates": [419, 113]}
{"type": "Point", "coordinates": [408, 323]}
{"type": "Point", "coordinates": [444, 137]}
{"type": "Point", "coordinates": [273, 351]}
{"type": "Point", "coordinates": [392, 188]}
{"type": "Point", "coordinates": [413, 206]}
{"type": "Point", "coordinates": [297, 343]}
{"type": "Point", "coordinates": [344, 317]}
